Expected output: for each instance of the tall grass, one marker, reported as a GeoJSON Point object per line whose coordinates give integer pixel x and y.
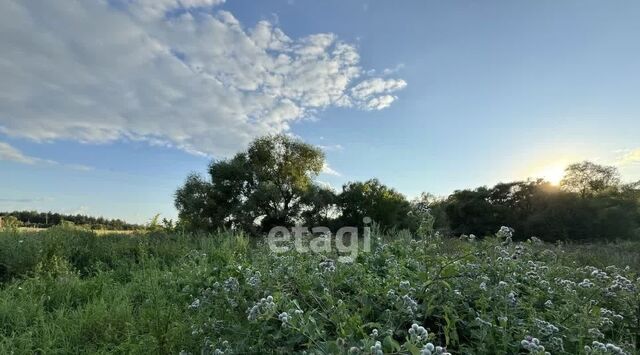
{"type": "Point", "coordinates": [66, 290]}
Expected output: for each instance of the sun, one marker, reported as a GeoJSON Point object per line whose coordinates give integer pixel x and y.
{"type": "Point", "coordinates": [552, 173]}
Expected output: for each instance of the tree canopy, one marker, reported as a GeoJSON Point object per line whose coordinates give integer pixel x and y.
{"type": "Point", "coordinates": [272, 184]}
{"type": "Point", "coordinates": [588, 178]}
{"type": "Point", "coordinates": [590, 204]}
{"type": "Point", "coordinates": [254, 190]}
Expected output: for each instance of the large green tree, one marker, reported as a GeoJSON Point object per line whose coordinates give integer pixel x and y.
{"type": "Point", "coordinates": [372, 199]}
{"type": "Point", "coordinates": [587, 178]}
{"type": "Point", "coordinates": [255, 190]}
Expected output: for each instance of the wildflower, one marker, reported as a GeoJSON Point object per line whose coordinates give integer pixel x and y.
{"type": "Point", "coordinates": [262, 307]}
{"type": "Point", "coordinates": [374, 333]}
{"type": "Point", "coordinates": [595, 333]}
{"type": "Point", "coordinates": [377, 349]}
{"type": "Point", "coordinates": [418, 332]}
{"type": "Point", "coordinates": [545, 327]}
{"type": "Point", "coordinates": [327, 266]}
{"type": "Point", "coordinates": [284, 318]}
{"type": "Point", "coordinates": [505, 233]}
{"type": "Point", "coordinates": [254, 281]}
{"type": "Point", "coordinates": [532, 344]}
{"type": "Point", "coordinates": [410, 304]}
{"type": "Point", "coordinates": [195, 304]}
{"type": "Point", "coordinates": [231, 285]}
{"type": "Point", "coordinates": [586, 283]}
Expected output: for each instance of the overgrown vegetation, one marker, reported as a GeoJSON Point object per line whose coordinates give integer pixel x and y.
{"type": "Point", "coordinates": [65, 290]}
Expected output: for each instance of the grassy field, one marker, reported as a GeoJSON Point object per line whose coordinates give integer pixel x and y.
{"type": "Point", "coordinates": [68, 291]}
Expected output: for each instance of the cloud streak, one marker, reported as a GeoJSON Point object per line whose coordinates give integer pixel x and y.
{"type": "Point", "coordinates": [175, 72]}
{"type": "Point", "coordinates": [9, 153]}
{"type": "Point", "coordinates": [12, 154]}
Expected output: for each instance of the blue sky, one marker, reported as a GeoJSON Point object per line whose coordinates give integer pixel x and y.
{"type": "Point", "coordinates": [105, 107]}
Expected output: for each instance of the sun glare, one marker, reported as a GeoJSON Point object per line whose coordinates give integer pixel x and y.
{"type": "Point", "coordinates": [552, 174]}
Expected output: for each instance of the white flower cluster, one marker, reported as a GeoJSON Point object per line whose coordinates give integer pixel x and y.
{"type": "Point", "coordinates": [545, 327]}
{"type": "Point", "coordinates": [284, 318]}
{"type": "Point", "coordinates": [327, 266]}
{"type": "Point", "coordinates": [418, 332]}
{"type": "Point", "coordinates": [595, 333]}
{"type": "Point", "coordinates": [599, 275]}
{"type": "Point", "coordinates": [606, 313]}
{"type": "Point", "coordinates": [621, 283]}
{"type": "Point", "coordinates": [586, 283]}
{"type": "Point", "coordinates": [195, 304]}
{"type": "Point", "coordinates": [533, 345]}
{"type": "Point", "coordinates": [410, 304]}
{"type": "Point", "coordinates": [264, 306]}
{"type": "Point", "coordinates": [208, 348]}
{"type": "Point", "coordinates": [535, 240]}
{"type": "Point", "coordinates": [377, 349]}
{"type": "Point", "coordinates": [231, 285]}
{"type": "Point", "coordinates": [255, 281]}
{"type": "Point", "coordinates": [511, 298]}
{"type": "Point", "coordinates": [505, 233]}
{"type": "Point", "coordinates": [566, 284]}
{"type": "Point", "coordinates": [470, 237]}
{"type": "Point", "coordinates": [430, 349]}
{"type": "Point", "coordinates": [598, 347]}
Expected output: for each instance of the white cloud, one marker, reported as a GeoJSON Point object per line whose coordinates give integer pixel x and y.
{"type": "Point", "coordinates": [172, 72]}
{"type": "Point", "coordinates": [630, 157]}
{"type": "Point", "coordinates": [332, 147]}
{"type": "Point", "coordinates": [326, 169]}
{"type": "Point", "coordinates": [10, 153]}
{"type": "Point", "coordinates": [373, 94]}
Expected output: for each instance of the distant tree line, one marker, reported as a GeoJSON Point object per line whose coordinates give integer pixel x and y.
{"type": "Point", "coordinates": [272, 183]}
{"type": "Point", "coordinates": [36, 219]}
